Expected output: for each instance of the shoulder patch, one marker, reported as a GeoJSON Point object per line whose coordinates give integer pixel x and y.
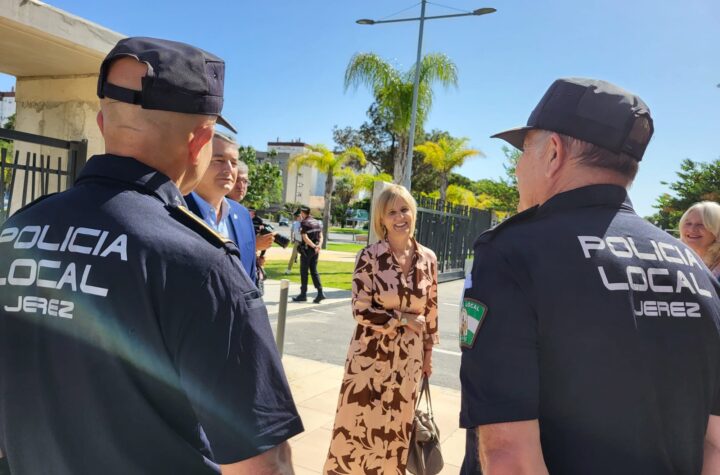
{"type": "Point", "coordinates": [488, 235]}
{"type": "Point", "coordinates": [189, 219]}
{"type": "Point", "coordinates": [472, 315]}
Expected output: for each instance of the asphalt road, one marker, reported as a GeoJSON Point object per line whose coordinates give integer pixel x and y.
{"type": "Point", "coordinates": [322, 333]}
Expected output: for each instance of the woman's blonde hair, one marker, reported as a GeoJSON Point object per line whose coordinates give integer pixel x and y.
{"type": "Point", "coordinates": [388, 197]}
{"type": "Point", "coordinates": [709, 212]}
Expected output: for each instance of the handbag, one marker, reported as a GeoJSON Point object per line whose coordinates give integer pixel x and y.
{"type": "Point", "coordinates": [424, 456]}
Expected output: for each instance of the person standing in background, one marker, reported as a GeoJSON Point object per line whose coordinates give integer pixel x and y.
{"type": "Point", "coordinates": [311, 233]}
{"type": "Point", "coordinates": [296, 239]}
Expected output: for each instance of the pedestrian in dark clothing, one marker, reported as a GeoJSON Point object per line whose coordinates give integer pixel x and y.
{"type": "Point", "coordinates": [312, 239]}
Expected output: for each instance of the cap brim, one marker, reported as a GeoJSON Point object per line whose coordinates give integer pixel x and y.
{"type": "Point", "coordinates": [222, 121]}
{"type": "Point", "coordinates": [515, 137]}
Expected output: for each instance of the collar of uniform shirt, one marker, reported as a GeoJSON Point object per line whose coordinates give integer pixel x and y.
{"type": "Point", "coordinates": [129, 170]}
{"type": "Point", "coordinates": [593, 195]}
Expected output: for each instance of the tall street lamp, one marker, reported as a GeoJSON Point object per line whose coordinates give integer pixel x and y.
{"type": "Point", "coordinates": [407, 174]}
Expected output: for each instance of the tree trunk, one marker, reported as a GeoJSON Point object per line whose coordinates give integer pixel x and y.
{"type": "Point", "coordinates": [443, 188]}
{"type": "Point", "coordinates": [326, 211]}
{"type": "Point", "coordinates": [400, 160]}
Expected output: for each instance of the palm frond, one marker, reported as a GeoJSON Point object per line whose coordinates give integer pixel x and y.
{"type": "Point", "coordinates": [366, 181]}
{"type": "Point", "coordinates": [435, 67]}
{"type": "Point", "coordinates": [460, 196]}
{"type": "Point", "coordinates": [446, 154]}
{"type": "Point", "coordinates": [369, 69]}
{"type": "Point", "coordinates": [353, 153]}
{"type": "Point", "coordinates": [318, 156]}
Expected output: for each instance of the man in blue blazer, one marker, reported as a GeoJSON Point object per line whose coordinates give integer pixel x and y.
{"type": "Point", "coordinates": [225, 216]}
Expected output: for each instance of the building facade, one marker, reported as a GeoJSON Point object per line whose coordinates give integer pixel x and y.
{"type": "Point", "coordinates": [7, 106]}
{"type": "Point", "coordinates": [305, 185]}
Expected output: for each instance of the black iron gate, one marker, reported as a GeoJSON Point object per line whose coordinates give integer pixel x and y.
{"type": "Point", "coordinates": [450, 232]}
{"type": "Point", "coordinates": [27, 176]}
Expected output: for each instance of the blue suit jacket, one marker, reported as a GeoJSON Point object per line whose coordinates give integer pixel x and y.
{"type": "Point", "coordinates": [240, 220]}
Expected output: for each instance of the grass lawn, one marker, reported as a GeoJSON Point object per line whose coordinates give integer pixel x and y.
{"type": "Point", "coordinates": [345, 247]}
{"type": "Point", "coordinates": [348, 230]}
{"type": "Point", "coordinates": [337, 275]}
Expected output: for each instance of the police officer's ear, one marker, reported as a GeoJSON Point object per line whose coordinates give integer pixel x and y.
{"type": "Point", "coordinates": [200, 138]}
{"type": "Point", "coordinates": [556, 155]}
{"type": "Point", "coordinates": [101, 122]}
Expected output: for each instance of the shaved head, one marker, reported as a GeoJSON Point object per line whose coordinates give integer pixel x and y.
{"type": "Point", "coordinates": [177, 144]}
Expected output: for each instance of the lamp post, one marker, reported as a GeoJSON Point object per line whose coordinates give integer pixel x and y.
{"type": "Point", "coordinates": [407, 174]}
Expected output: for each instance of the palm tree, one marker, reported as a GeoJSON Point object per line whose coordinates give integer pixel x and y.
{"type": "Point", "coordinates": [458, 195]}
{"type": "Point", "coordinates": [393, 91]}
{"type": "Point", "coordinates": [366, 181]}
{"type": "Point", "coordinates": [445, 155]}
{"type": "Point", "coordinates": [330, 163]}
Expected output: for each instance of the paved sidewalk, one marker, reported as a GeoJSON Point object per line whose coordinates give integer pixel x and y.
{"type": "Point", "coordinates": [316, 387]}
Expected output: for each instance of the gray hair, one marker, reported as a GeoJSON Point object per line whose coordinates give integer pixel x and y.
{"type": "Point", "coordinates": [592, 155]}
{"type": "Point", "coordinates": [242, 168]}
{"type": "Point", "coordinates": [226, 137]}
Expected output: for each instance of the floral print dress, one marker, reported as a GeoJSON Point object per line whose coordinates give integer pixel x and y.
{"type": "Point", "coordinates": [376, 407]}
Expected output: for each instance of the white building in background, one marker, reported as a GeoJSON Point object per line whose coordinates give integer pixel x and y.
{"type": "Point", "coordinates": [7, 106]}
{"type": "Point", "coordinates": [304, 185]}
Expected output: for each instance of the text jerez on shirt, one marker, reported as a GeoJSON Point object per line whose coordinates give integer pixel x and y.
{"type": "Point", "coordinates": [659, 280]}
{"type": "Point", "coordinates": [56, 274]}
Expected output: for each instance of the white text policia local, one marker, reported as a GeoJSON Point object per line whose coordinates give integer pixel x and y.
{"type": "Point", "coordinates": [658, 280]}
{"type": "Point", "coordinates": [56, 274]}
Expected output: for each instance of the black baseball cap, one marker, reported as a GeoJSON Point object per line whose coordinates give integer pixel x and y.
{"type": "Point", "coordinates": [593, 111]}
{"type": "Point", "coordinates": [180, 78]}
{"type": "Point", "coordinates": [297, 212]}
{"type": "Point", "coordinates": [305, 209]}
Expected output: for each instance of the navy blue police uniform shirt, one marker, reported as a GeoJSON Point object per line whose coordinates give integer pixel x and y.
{"type": "Point", "coordinates": [603, 327]}
{"type": "Point", "coordinates": [131, 338]}
{"type": "Point", "coordinates": [312, 227]}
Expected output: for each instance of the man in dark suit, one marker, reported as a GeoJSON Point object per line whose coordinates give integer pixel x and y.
{"type": "Point", "coordinates": [227, 217]}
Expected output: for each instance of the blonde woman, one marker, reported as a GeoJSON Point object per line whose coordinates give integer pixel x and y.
{"type": "Point", "coordinates": [394, 300]}
{"type": "Point", "coordinates": [700, 230]}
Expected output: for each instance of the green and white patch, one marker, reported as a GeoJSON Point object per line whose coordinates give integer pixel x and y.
{"type": "Point", "coordinates": [472, 316]}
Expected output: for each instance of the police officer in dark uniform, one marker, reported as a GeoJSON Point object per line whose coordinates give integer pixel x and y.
{"type": "Point", "coordinates": [131, 339]}
{"type": "Point", "coordinates": [309, 249]}
{"type": "Point", "coordinates": [589, 337]}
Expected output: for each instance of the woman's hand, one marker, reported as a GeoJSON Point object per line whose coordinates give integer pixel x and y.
{"type": "Point", "coordinates": [427, 362]}
{"type": "Point", "coordinates": [415, 323]}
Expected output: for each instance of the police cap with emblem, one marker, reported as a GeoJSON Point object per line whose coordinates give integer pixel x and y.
{"type": "Point", "coordinates": [593, 111]}
{"type": "Point", "coordinates": [180, 78]}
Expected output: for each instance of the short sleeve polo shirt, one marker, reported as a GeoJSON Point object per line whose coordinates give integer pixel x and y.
{"type": "Point", "coordinates": [604, 328]}
{"type": "Point", "coordinates": [130, 340]}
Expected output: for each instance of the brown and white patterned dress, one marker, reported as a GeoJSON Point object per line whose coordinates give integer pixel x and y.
{"type": "Point", "coordinates": [384, 364]}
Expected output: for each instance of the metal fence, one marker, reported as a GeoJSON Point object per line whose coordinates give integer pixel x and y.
{"type": "Point", "coordinates": [450, 232]}
{"type": "Point", "coordinates": [25, 177]}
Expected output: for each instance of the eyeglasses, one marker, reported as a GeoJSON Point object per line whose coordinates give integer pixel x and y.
{"type": "Point", "coordinates": [244, 181]}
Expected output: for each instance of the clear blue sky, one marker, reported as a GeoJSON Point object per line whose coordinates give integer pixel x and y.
{"type": "Point", "coordinates": [286, 60]}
